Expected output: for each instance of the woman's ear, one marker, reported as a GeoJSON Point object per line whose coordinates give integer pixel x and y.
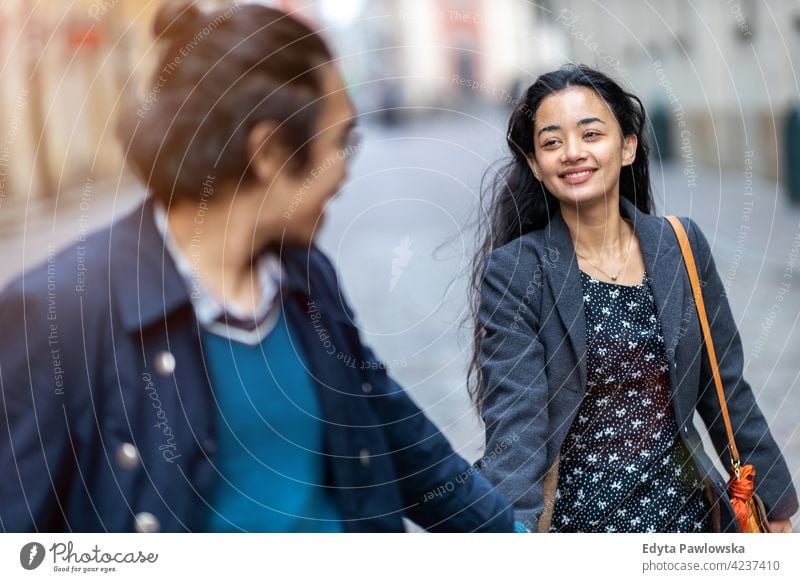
{"type": "Point", "coordinates": [264, 151]}
{"type": "Point", "coordinates": [629, 144]}
{"type": "Point", "coordinates": [534, 166]}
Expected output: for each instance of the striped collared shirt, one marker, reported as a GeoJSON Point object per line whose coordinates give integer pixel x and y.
{"type": "Point", "coordinates": [246, 326]}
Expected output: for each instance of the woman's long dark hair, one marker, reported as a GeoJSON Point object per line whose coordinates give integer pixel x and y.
{"type": "Point", "coordinates": [517, 203]}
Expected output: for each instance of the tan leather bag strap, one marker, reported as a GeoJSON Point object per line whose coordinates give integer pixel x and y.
{"type": "Point", "coordinates": [691, 268]}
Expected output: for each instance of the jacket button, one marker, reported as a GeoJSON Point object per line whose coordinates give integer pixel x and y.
{"type": "Point", "coordinates": [363, 456]}
{"type": "Point", "coordinates": [128, 456]}
{"type": "Point", "coordinates": [366, 387]}
{"type": "Point", "coordinates": [146, 522]}
{"type": "Point", "coordinates": [210, 446]}
{"type": "Point", "coordinates": [165, 363]}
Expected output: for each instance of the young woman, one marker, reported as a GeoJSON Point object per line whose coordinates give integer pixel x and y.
{"type": "Point", "coordinates": [193, 367]}
{"type": "Point", "coordinates": [588, 351]}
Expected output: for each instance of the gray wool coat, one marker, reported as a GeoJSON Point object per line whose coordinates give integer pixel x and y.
{"type": "Point", "coordinates": [533, 362]}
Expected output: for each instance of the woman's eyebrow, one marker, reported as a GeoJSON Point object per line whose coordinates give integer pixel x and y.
{"type": "Point", "coordinates": [588, 120]}
{"type": "Point", "coordinates": [584, 121]}
{"type": "Point", "coordinates": [548, 128]}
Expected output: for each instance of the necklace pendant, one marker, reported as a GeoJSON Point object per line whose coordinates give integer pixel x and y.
{"type": "Point", "coordinates": [614, 277]}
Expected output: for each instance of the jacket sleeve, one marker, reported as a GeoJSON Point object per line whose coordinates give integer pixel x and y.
{"type": "Point", "coordinates": [34, 440]}
{"type": "Point", "coordinates": [442, 492]}
{"type": "Point", "coordinates": [515, 400]}
{"type": "Point", "coordinates": [753, 437]}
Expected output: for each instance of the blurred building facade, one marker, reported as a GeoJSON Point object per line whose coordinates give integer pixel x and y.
{"type": "Point", "coordinates": [68, 69]}
{"type": "Point", "coordinates": [724, 73]}
{"type": "Point", "coordinates": [63, 67]}
{"type": "Point", "coordinates": [719, 72]}
{"type": "Point", "coordinates": [430, 54]}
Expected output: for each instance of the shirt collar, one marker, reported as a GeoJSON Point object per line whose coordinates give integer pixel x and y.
{"type": "Point", "coordinates": [210, 313]}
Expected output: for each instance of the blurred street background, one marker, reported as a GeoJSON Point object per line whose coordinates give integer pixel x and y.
{"type": "Point", "coordinates": [434, 81]}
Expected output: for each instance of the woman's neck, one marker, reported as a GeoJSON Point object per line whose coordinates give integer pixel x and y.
{"type": "Point", "coordinates": [598, 230]}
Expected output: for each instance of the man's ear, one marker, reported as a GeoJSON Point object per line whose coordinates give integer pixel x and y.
{"type": "Point", "coordinates": [264, 151]}
{"type": "Point", "coordinates": [534, 166]}
{"type": "Point", "coordinates": [629, 144]}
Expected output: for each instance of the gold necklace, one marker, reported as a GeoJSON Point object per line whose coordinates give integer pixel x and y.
{"type": "Point", "coordinates": [613, 277]}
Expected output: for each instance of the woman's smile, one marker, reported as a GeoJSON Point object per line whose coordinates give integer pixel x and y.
{"type": "Point", "coordinates": [575, 176]}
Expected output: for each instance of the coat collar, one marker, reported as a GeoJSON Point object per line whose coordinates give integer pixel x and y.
{"type": "Point", "coordinates": [663, 263]}
{"type": "Point", "coordinates": [148, 285]}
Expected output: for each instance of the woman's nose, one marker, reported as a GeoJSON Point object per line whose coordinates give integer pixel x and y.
{"type": "Point", "coordinates": [573, 150]}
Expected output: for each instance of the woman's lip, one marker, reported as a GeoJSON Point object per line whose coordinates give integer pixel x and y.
{"type": "Point", "coordinates": [575, 178]}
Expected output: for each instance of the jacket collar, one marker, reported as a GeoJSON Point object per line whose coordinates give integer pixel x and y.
{"type": "Point", "coordinates": [147, 284]}
{"type": "Point", "coordinates": [663, 263]}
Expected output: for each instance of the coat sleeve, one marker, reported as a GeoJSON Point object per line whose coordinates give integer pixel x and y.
{"type": "Point", "coordinates": [442, 492]}
{"type": "Point", "coordinates": [753, 437]}
{"type": "Point", "coordinates": [34, 440]}
{"type": "Point", "coordinates": [515, 397]}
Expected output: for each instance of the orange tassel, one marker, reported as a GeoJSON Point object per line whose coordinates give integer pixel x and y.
{"type": "Point", "coordinates": [741, 492]}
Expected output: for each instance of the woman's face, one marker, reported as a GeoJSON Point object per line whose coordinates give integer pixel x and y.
{"type": "Point", "coordinates": [579, 150]}
{"type": "Point", "coordinates": [301, 195]}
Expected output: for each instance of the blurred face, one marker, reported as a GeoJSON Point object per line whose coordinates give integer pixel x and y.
{"type": "Point", "coordinates": [579, 150]}
{"type": "Point", "coordinates": [302, 194]}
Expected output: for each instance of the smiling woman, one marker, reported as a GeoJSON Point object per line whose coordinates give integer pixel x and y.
{"type": "Point", "coordinates": [582, 351]}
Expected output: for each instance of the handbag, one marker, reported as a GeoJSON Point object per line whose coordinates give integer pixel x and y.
{"type": "Point", "coordinates": [750, 512]}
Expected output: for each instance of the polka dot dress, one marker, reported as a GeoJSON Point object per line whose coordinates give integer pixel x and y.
{"type": "Point", "coordinates": [623, 467]}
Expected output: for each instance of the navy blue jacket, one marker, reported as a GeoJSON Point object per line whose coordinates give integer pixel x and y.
{"type": "Point", "coordinates": [108, 420]}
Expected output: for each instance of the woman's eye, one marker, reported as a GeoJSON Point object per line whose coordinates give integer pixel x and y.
{"type": "Point", "coordinates": [550, 142]}
{"type": "Point", "coordinates": [591, 134]}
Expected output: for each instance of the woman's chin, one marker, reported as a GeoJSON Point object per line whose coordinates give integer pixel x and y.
{"type": "Point", "coordinates": [581, 196]}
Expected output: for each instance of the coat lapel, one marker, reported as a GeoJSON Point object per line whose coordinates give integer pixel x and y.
{"type": "Point", "coordinates": [664, 265]}
{"type": "Point", "coordinates": [562, 275]}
